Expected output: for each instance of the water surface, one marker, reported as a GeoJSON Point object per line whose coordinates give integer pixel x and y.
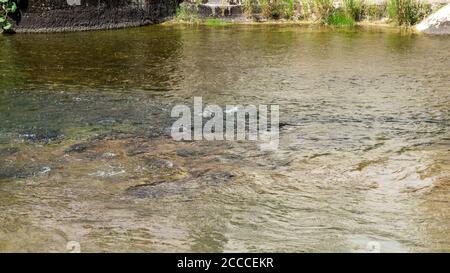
{"type": "Point", "coordinates": [85, 153]}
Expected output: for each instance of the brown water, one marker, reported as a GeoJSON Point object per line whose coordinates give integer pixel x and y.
{"type": "Point", "coordinates": [364, 154]}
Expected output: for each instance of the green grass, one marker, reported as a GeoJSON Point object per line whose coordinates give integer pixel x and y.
{"type": "Point", "coordinates": [354, 8]}
{"type": "Point", "coordinates": [319, 9]}
{"type": "Point", "coordinates": [402, 12]}
{"type": "Point", "coordinates": [340, 19]}
{"type": "Point", "coordinates": [272, 9]}
{"type": "Point", "coordinates": [289, 8]}
{"type": "Point", "coordinates": [250, 7]}
{"type": "Point", "coordinates": [407, 12]}
{"type": "Point", "coordinates": [375, 11]}
{"type": "Point", "coordinates": [186, 13]}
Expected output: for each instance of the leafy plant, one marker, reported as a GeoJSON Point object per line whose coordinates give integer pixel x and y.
{"type": "Point", "coordinates": [319, 9]}
{"type": "Point", "coordinates": [340, 19]}
{"type": "Point", "coordinates": [250, 7]}
{"type": "Point", "coordinates": [354, 8]}
{"type": "Point", "coordinates": [6, 7]}
{"type": "Point", "coordinates": [289, 8]}
{"type": "Point", "coordinates": [271, 9]}
{"type": "Point", "coordinates": [375, 11]}
{"type": "Point", "coordinates": [186, 12]}
{"type": "Point", "coordinates": [407, 12]}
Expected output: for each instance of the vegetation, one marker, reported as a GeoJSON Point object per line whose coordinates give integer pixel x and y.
{"type": "Point", "coordinates": [215, 22]}
{"type": "Point", "coordinates": [270, 9]}
{"type": "Point", "coordinates": [323, 11]}
{"type": "Point", "coordinates": [289, 9]}
{"type": "Point", "coordinates": [407, 12]}
{"type": "Point", "coordinates": [318, 9]}
{"type": "Point", "coordinates": [189, 14]}
{"type": "Point", "coordinates": [375, 11]}
{"type": "Point", "coordinates": [250, 7]}
{"type": "Point", "coordinates": [340, 19]}
{"type": "Point", "coordinates": [354, 9]}
{"type": "Point", "coordinates": [7, 7]}
{"type": "Point", "coordinates": [186, 12]}
{"type": "Point", "coordinates": [402, 12]}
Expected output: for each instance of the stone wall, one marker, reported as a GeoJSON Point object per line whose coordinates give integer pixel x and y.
{"type": "Point", "coordinates": [76, 15]}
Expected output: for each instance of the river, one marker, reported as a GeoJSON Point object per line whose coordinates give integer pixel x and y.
{"type": "Point", "coordinates": [363, 159]}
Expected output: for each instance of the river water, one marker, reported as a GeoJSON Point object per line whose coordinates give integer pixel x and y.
{"type": "Point", "coordinates": [363, 160]}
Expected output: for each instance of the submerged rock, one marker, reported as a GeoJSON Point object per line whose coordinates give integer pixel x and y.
{"type": "Point", "coordinates": [42, 135]}
{"type": "Point", "coordinates": [157, 190]}
{"type": "Point", "coordinates": [437, 23]}
{"type": "Point", "coordinates": [216, 178]}
{"type": "Point", "coordinates": [13, 172]}
{"type": "Point", "coordinates": [187, 187]}
{"type": "Point", "coordinates": [191, 153]}
{"type": "Point", "coordinates": [158, 163]}
{"type": "Point", "coordinates": [77, 148]}
{"type": "Point", "coordinates": [9, 151]}
{"type": "Point", "coordinates": [8, 173]}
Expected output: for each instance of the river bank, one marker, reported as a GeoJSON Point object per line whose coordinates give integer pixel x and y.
{"type": "Point", "coordinates": [351, 13]}
{"type": "Point", "coordinates": [75, 15]}
{"type": "Point", "coordinates": [281, 22]}
{"type": "Point", "coordinates": [379, 26]}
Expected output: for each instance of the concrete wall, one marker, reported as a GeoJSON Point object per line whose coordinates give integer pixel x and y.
{"type": "Point", "coordinates": [75, 15]}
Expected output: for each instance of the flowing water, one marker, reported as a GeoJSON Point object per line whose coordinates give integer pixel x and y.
{"type": "Point", "coordinates": [85, 153]}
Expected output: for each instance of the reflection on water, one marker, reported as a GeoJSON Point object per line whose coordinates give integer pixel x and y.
{"type": "Point", "coordinates": [85, 154]}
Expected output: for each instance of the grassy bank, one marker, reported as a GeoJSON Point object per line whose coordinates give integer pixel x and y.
{"type": "Point", "coordinates": [324, 12]}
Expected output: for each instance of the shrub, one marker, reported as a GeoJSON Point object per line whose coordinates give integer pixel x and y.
{"type": "Point", "coordinates": [320, 9]}
{"type": "Point", "coordinates": [250, 7]}
{"type": "Point", "coordinates": [186, 12]}
{"type": "Point", "coordinates": [306, 8]}
{"type": "Point", "coordinates": [354, 9]}
{"type": "Point", "coordinates": [7, 7]}
{"type": "Point", "coordinates": [340, 19]}
{"type": "Point", "coordinates": [407, 12]}
{"type": "Point", "coordinates": [289, 8]}
{"type": "Point", "coordinates": [375, 11]}
{"type": "Point", "coordinates": [271, 9]}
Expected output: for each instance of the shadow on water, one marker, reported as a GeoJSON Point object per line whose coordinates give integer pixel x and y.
{"type": "Point", "coordinates": [123, 59]}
